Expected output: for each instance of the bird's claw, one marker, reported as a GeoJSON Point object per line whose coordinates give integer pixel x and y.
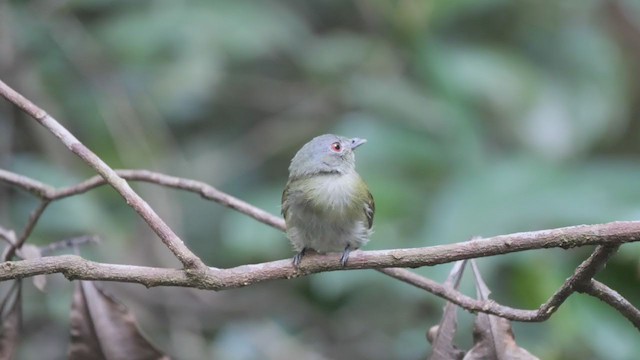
{"type": "Point", "coordinates": [345, 256]}
{"type": "Point", "coordinates": [298, 258]}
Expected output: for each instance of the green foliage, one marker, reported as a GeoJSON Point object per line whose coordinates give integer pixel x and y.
{"type": "Point", "coordinates": [483, 118]}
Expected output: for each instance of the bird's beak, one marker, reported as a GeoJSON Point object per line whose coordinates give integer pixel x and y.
{"type": "Point", "coordinates": [355, 142]}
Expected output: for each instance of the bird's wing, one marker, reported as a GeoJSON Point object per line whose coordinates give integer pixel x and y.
{"type": "Point", "coordinates": [284, 203]}
{"type": "Point", "coordinates": [369, 209]}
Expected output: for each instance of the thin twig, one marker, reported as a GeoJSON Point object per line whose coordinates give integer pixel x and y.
{"type": "Point", "coordinates": [168, 237]}
{"type": "Point", "coordinates": [205, 190]}
{"type": "Point", "coordinates": [33, 186]}
{"type": "Point", "coordinates": [69, 243]}
{"type": "Point", "coordinates": [458, 298]}
{"type": "Point", "coordinates": [613, 299]}
{"type": "Point", "coordinates": [583, 274]}
{"type": "Point", "coordinates": [28, 229]}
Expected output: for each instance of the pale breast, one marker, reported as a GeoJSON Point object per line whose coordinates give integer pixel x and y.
{"type": "Point", "coordinates": [334, 192]}
{"type": "Point", "coordinates": [326, 218]}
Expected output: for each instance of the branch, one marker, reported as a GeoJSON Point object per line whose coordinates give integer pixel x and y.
{"type": "Point", "coordinates": [221, 279]}
{"type": "Point", "coordinates": [581, 276]}
{"type": "Point", "coordinates": [31, 224]}
{"type": "Point", "coordinates": [46, 192]}
{"type": "Point", "coordinates": [464, 301]}
{"type": "Point", "coordinates": [68, 243]}
{"type": "Point", "coordinates": [610, 235]}
{"type": "Point", "coordinates": [614, 299]}
{"type": "Point", "coordinates": [566, 238]}
{"type": "Point", "coordinates": [76, 268]}
{"type": "Point", "coordinates": [168, 237]}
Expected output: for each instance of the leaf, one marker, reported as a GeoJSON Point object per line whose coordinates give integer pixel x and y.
{"type": "Point", "coordinates": [104, 329]}
{"type": "Point", "coordinates": [492, 335]}
{"type": "Point", "coordinates": [30, 252]}
{"type": "Point", "coordinates": [442, 335]}
{"type": "Point", "coordinates": [11, 315]}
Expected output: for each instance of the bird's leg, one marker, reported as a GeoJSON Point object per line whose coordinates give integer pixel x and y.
{"type": "Point", "coordinates": [298, 257]}
{"type": "Point", "coordinates": [345, 255]}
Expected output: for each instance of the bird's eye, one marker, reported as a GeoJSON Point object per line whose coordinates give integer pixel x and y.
{"type": "Point", "coordinates": [336, 147]}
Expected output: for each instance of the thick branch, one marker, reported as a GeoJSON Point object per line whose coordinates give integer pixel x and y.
{"type": "Point", "coordinates": [220, 279]}
{"type": "Point", "coordinates": [611, 234]}
{"type": "Point", "coordinates": [568, 237]}
{"type": "Point", "coordinates": [77, 268]}
{"type": "Point", "coordinates": [608, 236]}
{"type": "Point", "coordinates": [170, 239]}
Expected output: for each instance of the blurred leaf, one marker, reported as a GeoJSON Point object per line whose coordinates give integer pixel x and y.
{"type": "Point", "coordinates": [397, 99]}
{"type": "Point", "coordinates": [102, 328]}
{"type": "Point", "coordinates": [336, 54]}
{"type": "Point", "coordinates": [76, 214]}
{"type": "Point", "coordinates": [246, 238]}
{"type": "Point", "coordinates": [190, 45]}
{"type": "Point", "coordinates": [558, 106]}
{"type": "Point", "coordinates": [30, 252]}
{"type": "Point", "coordinates": [248, 340]}
{"type": "Point", "coordinates": [492, 335]}
{"type": "Point", "coordinates": [545, 196]}
{"type": "Point", "coordinates": [611, 336]}
{"type": "Point", "coordinates": [11, 313]}
{"type": "Point", "coordinates": [442, 335]}
{"type": "Point", "coordinates": [446, 9]}
{"type": "Point", "coordinates": [497, 80]}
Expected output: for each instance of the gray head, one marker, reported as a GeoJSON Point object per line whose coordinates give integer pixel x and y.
{"type": "Point", "coordinates": [325, 154]}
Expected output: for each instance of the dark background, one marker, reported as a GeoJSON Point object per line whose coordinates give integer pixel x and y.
{"type": "Point", "coordinates": [483, 118]}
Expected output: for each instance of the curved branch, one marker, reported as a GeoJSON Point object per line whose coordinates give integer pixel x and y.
{"type": "Point", "coordinates": [205, 190]}
{"type": "Point", "coordinates": [567, 237]}
{"type": "Point", "coordinates": [582, 275]}
{"type": "Point", "coordinates": [31, 224]}
{"type": "Point", "coordinates": [76, 268]}
{"type": "Point", "coordinates": [610, 236]}
{"type": "Point", "coordinates": [613, 299]}
{"type": "Point", "coordinates": [168, 237]}
{"type": "Point", "coordinates": [220, 279]}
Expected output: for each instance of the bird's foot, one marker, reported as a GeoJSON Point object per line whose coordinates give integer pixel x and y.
{"type": "Point", "coordinates": [345, 256]}
{"type": "Point", "coordinates": [298, 258]}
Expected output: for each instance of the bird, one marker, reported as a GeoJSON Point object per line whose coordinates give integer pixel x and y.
{"type": "Point", "coordinates": [326, 205]}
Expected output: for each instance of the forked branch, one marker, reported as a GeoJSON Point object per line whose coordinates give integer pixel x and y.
{"type": "Point", "coordinates": [608, 238]}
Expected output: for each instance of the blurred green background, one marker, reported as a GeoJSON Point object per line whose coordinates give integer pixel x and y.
{"type": "Point", "coordinates": [483, 118]}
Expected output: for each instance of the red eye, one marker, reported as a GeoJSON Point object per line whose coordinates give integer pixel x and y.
{"type": "Point", "coordinates": [336, 147]}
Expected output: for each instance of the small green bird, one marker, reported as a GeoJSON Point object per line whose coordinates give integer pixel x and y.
{"type": "Point", "coordinates": [326, 205]}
